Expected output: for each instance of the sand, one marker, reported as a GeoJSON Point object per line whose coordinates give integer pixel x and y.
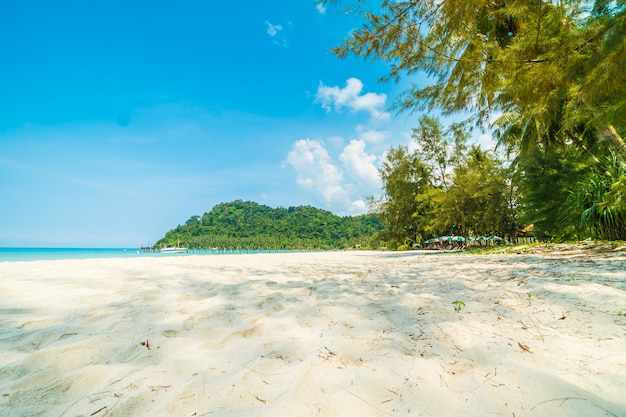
{"type": "Point", "coordinates": [315, 334]}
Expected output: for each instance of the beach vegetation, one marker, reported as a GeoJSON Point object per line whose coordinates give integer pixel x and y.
{"type": "Point", "coordinates": [546, 77]}
{"type": "Point", "coordinates": [458, 305]}
{"type": "Point", "coordinates": [546, 66]}
{"type": "Point", "coordinates": [440, 186]}
{"type": "Point", "coordinates": [405, 178]}
{"type": "Point", "coordinates": [596, 205]}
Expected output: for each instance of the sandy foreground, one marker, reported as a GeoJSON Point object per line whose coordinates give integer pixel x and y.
{"type": "Point", "coordinates": [315, 334]}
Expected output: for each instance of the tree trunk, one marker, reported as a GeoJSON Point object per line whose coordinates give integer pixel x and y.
{"type": "Point", "coordinates": [609, 133]}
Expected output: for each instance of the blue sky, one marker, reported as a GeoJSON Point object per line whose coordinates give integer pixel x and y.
{"type": "Point", "coordinates": [121, 119]}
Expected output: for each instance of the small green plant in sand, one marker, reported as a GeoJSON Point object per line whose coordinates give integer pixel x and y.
{"type": "Point", "coordinates": [458, 305]}
{"type": "Point", "coordinates": [621, 313]}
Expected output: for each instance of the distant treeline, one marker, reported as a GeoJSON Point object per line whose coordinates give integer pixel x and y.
{"type": "Point", "coordinates": [248, 225]}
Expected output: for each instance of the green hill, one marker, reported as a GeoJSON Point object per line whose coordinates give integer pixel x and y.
{"type": "Point", "coordinates": [249, 225]}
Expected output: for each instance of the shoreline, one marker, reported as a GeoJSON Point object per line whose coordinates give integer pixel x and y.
{"type": "Point", "coordinates": [346, 333]}
{"type": "Point", "coordinates": [19, 254]}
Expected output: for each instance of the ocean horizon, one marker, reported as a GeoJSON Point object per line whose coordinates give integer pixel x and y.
{"type": "Point", "coordinates": [13, 254]}
{"type": "Point", "coordinates": [17, 254]}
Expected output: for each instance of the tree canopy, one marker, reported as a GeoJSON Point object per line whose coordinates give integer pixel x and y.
{"type": "Point", "coordinates": [549, 73]}
{"type": "Point", "coordinates": [442, 187]}
{"type": "Point", "coordinates": [485, 56]}
{"type": "Point", "coordinates": [248, 225]}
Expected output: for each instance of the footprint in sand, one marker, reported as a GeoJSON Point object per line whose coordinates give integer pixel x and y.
{"type": "Point", "coordinates": [170, 333]}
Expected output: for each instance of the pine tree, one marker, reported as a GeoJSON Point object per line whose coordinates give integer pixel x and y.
{"type": "Point", "coordinates": [558, 64]}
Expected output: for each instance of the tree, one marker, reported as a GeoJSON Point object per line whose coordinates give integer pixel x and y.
{"type": "Point", "coordinates": [552, 72]}
{"type": "Point", "coordinates": [442, 150]}
{"type": "Point", "coordinates": [548, 175]}
{"type": "Point", "coordinates": [558, 64]}
{"type": "Point", "coordinates": [596, 206]}
{"type": "Point", "coordinates": [477, 203]}
{"type": "Point", "coordinates": [441, 189]}
{"type": "Point", "coordinates": [404, 178]}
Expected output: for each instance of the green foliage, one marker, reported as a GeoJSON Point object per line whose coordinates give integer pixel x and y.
{"type": "Point", "coordinates": [552, 71]}
{"type": "Point", "coordinates": [458, 305]}
{"type": "Point", "coordinates": [249, 225]}
{"type": "Point", "coordinates": [477, 202]}
{"type": "Point", "coordinates": [440, 149]}
{"type": "Point", "coordinates": [596, 206]}
{"type": "Point", "coordinates": [442, 188]}
{"type": "Point", "coordinates": [404, 177]}
{"type": "Point", "coordinates": [548, 176]}
{"type": "Point", "coordinates": [559, 65]}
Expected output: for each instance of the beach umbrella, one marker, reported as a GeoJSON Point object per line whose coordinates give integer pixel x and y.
{"type": "Point", "coordinates": [492, 237]}
{"type": "Point", "coordinates": [478, 239]}
{"type": "Point", "coordinates": [452, 238]}
{"type": "Point", "coordinates": [431, 240]}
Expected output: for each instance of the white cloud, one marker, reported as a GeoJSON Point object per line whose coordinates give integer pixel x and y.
{"type": "Point", "coordinates": [321, 8]}
{"type": "Point", "coordinates": [273, 30]}
{"type": "Point", "coordinates": [359, 163]}
{"type": "Point", "coordinates": [350, 97]}
{"type": "Point", "coordinates": [358, 206]}
{"type": "Point", "coordinates": [316, 170]}
{"type": "Point", "coordinates": [277, 33]}
{"type": "Point", "coordinates": [342, 186]}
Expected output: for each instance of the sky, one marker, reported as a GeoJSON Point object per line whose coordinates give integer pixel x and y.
{"type": "Point", "coordinates": [120, 120]}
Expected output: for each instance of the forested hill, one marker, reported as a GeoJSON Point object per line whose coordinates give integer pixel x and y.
{"type": "Point", "coordinates": [240, 224]}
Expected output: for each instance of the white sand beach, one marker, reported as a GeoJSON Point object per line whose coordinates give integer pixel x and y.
{"type": "Point", "coordinates": [315, 334]}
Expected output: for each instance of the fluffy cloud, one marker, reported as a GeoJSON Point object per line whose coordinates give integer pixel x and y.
{"type": "Point", "coordinates": [351, 97]}
{"type": "Point", "coordinates": [342, 186]}
{"type": "Point", "coordinates": [359, 164]}
{"type": "Point", "coordinates": [316, 170]}
{"type": "Point", "coordinates": [321, 8]}
{"type": "Point", "coordinates": [337, 175]}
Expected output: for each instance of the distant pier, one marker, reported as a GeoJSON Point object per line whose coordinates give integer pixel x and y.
{"type": "Point", "coordinates": [219, 251]}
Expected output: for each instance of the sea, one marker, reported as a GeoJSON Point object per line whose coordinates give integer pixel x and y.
{"type": "Point", "coordinates": [51, 254]}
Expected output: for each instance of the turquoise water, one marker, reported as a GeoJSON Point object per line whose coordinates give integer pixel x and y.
{"type": "Point", "coordinates": [50, 254]}
{"type": "Point", "coordinates": [45, 254]}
